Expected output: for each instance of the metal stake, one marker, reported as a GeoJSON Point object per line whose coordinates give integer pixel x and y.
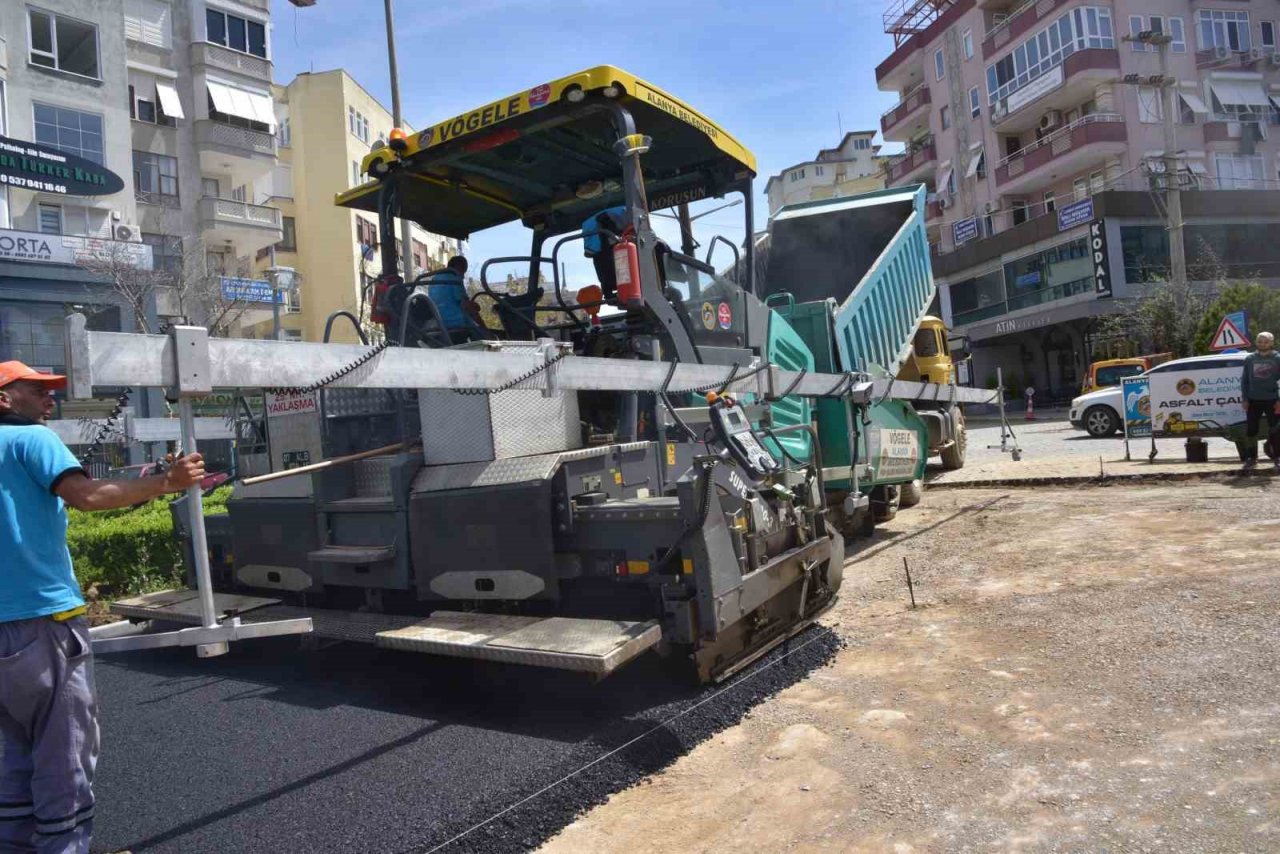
{"type": "Point", "coordinates": [910, 587]}
{"type": "Point", "coordinates": [199, 541]}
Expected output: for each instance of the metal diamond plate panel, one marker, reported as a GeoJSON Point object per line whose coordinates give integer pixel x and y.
{"type": "Point", "coordinates": [525, 422]}
{"type": "Point", "coordinates": [455, 427]}
{"type": "Point", "coordinates": [494, 473]}
{"type": "Point", "coordinates": [339, 402]}
{"type": "Point", "coordinates": [373, 477]}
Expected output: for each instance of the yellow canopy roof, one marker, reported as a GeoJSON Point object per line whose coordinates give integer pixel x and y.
{"type": "Point", "coordinates": [544, 156]}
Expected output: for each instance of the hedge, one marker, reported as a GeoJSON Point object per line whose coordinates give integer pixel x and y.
{"type": "Point", "coordinates": [132, 550]}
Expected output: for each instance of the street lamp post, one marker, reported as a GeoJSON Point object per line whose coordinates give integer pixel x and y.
{"type": "Point", "coordinates": [283, 280]}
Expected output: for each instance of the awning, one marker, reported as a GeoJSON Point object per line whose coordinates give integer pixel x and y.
{"type": "Point", "coordinates": [252, 106]}
{"type": "Point", "coordinates": [1192, 100]}
{"type": "Point", "coordinates": [168, 97]}
{"type": "Point", "coordinates": [944, 176]}
{"type": "Point", "coordinates": [975, 159]}
{"type": "Point", "coordinates": [1240, 93]}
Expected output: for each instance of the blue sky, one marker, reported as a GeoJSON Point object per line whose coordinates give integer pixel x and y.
{"type": "Point", "coordinates": [781, 77]}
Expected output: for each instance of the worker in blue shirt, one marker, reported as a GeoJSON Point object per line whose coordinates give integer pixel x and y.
{"type": "Point", "coordinates": [448, 290]}
{"type": "Point", "coordinates": [48, 712]}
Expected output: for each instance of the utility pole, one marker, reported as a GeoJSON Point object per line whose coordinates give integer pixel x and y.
{"type": "Point", "coordinates": [406, 235]}
{"type": "Point", "coordinates": [1172, 182]}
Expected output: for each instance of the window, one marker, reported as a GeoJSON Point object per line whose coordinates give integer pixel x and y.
{"type": "Point", "coordinates": [238, 107]}
{"type": "Point", "coordinates": [1018, 208]}
{"type": "Point", "coordinates": [69, 130]}
{"type": "Point", "coordinates": [1239, 171]}
{"type": "Point", "coordinates": [817, 170]}
{"type": "Point", "coordinates": [862, 144]}
{"type": "Point", "coordinates": [355, 173]}
{"type": "Point", "coordinates": [1135, 27]}
{"type": "Point", "coordinates": [939, 64]}
{"type": "Point", "coordinates": [1050, 202]}
{"type": "Point", "coordinates": [239, 194]}
{"type": "Point", "coordinates": [50, 218]}
{"type": "Point", "coordinates": [1179, 43]}
{"type": "Point", "coordinates": [951, 182]}
{"type": "Point", "coordinates": [149, 109]}
{"type": "Point", "coordinates": [1077, 29]}
{"type": "Point", "coordinates": [358, 124]}
{"type": "Point", "coordinates": [147, 21]}
{"type": "Point", "coordinates": [166, 251]}
{"type": "Point", "coordinates": [289, 234]}
{"type": "Point", "coordinates": [1223, 28]}
{"type": "Point", "coordinates": [62, 43]}
{"type": "Point", "coordinates": [236, 33]}
{"type": "Point", "coordinates": [1097, 182]}
{"type": "Point", "coordinates": [966, 41]}
{"type": "Point", "coordinates": [944, 115]}
{"type": "Point", "coordinates": [209, 188]}
{"type": "Point", "coordinates": [1150, 105]}
{"type": "Point", "coordinates": [155, 178]}
{"type": "Point", "coordinates": [1268, 33]}
{"type": "Point", "coordinates": [4, 114]}
{"type": "Point", "coordinates": [284, 135]}
{"type": "Point", "coordinates": [1081, 188]}
{"type": "Point", "coordinates": [975, 103]}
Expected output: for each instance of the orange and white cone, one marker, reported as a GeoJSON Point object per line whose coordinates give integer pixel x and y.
{"type": "Point", "coordinates": [1031, 408]}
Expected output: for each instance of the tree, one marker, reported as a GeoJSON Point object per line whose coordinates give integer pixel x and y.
{"type": "Point", "coordinates": [177, 285]}
{"type": "Point", "coordinates": [1261, 304]}
{"type": "Point", "coordinates": [1164, 318]}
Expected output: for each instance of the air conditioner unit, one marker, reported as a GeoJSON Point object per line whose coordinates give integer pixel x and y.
{"type": "Point", "coordinates": [991, 207]}
{"type": "Point", "coordinates": [998, 18]}
{"type": "Point", "coordinates": [1051, 119]}
{"type": "Point", "coordinates": [945, 202]}
{"type": "Point", "coordinates": [1221, 53]}
{"type": "Point", "coordinates": [1275, 59]}
{"type": "Point", "coordinates": [1255, 54]}
{"type": "Point", "coordinates": [126, 231]}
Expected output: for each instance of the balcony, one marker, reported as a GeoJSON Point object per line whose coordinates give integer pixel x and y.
{"type": "Point", "coordinates": [245, 155]}
{"type": "Point", "coordinates": [1023, 18]}
{"type": "Point", "coordinates": [216, 56]}
{"type": "Point", "coordinates": [908, 117]}
{"type": "Point", "coordinates": [1062, 87]}
{"type": "Point", "coordinates": [1083, 142]}
{"type": "Point", "coordinates": [247, 228]}
{"type": "Point", "coordinates": [911, 165]}
{"type": "Point", "coordinates": [904, 67]}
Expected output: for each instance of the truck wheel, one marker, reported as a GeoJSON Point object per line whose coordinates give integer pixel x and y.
{"type": "Point", "coordinates": [885, 502]}
{"type": "Point", "coordinates": [953, 455]}
{"type": "Point", "coordinates": [911, 493]}
{"type": "Point", "coordinates": [1100, 421]}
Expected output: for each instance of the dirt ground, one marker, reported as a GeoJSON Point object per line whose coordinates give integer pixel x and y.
{"type": "Point", "coordinates": [1090, 669]}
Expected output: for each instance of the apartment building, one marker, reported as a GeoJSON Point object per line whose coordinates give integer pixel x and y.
{"type": "Point", "coordinates": [1031, 126]}
{"type": "Point", "coordinates": [327, 124]}
{"type": "Point", "coordinates": [854, 166]}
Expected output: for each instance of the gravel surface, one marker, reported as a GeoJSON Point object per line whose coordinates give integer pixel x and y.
{"type": "Point", "coordinates": [357, 749]}
{"type": "Point", "coordinates": [1090, 669]}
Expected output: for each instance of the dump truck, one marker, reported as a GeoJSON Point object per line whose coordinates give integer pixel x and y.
{"type": "Point", "coordinates": [665, 466]}
{"type": "Point", "coordinates": [853, 274]}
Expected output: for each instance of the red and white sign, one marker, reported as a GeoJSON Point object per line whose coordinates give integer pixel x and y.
{"type": "Point", "coordinates": [1228, 337]}
{"type": "Point", "coordinates": [539, 95]}
{"type": "Point", "coordinates": [292, 404]}
{"type": "Point", "coordinates": [725, 315]}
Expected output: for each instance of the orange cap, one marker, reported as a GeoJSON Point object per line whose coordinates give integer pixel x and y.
{"type": "Point", "coordinates": [712, 397]}
{"type": "Point", "coordinates": [13, 371]}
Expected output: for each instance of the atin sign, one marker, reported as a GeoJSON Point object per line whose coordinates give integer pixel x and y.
{"type": "Point", "coordinates": [1098, 253]}
{"type": "Point", "coordinates": [30, 166]}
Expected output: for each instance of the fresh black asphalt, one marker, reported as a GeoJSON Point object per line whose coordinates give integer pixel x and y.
{"type": "Point", "coordinates": [356, 749]}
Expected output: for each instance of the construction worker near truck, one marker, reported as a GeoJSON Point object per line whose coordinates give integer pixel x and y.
{"type": "Point", "coordinates": [48, 711]}
{"type": "Point", "coordinates": [1259, 394]}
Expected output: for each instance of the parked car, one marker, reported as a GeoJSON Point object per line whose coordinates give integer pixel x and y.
{"type": "Point", "coordinates": [1101, 413]}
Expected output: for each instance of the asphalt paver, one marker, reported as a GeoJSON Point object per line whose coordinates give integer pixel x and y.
{"type": "Point", "coordinates": [358, 749]}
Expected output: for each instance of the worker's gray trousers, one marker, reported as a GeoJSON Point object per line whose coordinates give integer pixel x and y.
{"type": "Point", "coordinates": [48, 736]}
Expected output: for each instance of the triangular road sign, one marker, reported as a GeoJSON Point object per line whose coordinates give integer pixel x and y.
{"type": "Point", "coordinates": [1228, 336]}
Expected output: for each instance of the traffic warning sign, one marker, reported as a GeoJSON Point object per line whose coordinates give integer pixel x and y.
{"type": "Point", "coordinates": [1228, 336]}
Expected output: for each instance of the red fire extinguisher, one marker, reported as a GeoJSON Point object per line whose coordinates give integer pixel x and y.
{"type": "Point", "coordinates": [380, 306]}
{"type": "Point", "coordinates": [626, 268]}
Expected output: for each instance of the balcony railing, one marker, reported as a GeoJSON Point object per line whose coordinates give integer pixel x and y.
{"type": "Point", "coordinates": [914, 99]}
{"type": "Point", "coordinates": [1095, 127]}
{"type": "Point", "coordinates": [904, 164]}
{"type": "Point", "coordinates": [243, 140]}
{"type": "Point", "coordinates": [215, 210]}
{"type": "Point", "coordinates": [207, 53]}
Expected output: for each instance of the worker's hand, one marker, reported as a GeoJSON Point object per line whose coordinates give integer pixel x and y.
{"type": "Point", "coordinates": [183, 472]}
{"type": "Point", "coordinates": [472, 309]}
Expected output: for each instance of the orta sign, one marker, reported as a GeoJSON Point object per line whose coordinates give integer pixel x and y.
{"type": "Point", "coordinates": [31, 166]}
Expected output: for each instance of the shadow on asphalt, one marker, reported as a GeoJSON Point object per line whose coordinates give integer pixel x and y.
{"type": "Point", "coordinates": [879, 541]}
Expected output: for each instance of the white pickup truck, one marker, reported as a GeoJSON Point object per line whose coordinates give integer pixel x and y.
{"type": "Point", "coordinates": [1100, 413]}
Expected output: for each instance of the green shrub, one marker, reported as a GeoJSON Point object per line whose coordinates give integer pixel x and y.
{"type": "Point", "coordinates": [131, 550]}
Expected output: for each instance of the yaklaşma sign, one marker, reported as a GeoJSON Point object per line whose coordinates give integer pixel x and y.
{"type": "Point", "coordinates": [30, 166]}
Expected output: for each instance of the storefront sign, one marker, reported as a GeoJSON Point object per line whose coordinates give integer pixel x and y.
{"type": "Point", "coordinates": [964, 230]}
{"type": "Point", "coordinates": [249, 290]}
{"type": "Point", "coordinates": [1021, 324]}
{"type": "Point", "coordinates": [1038, 88]}
{"type": "Point", "coordinates": [1098, 253]}
{"type": "Point", "coordinates": [30, 166]}
{"type": "Point", "coordinates": [30, 246]}
{"type": "Point", "coordinates": [1136, 393]}
{"type": "Point", "coordinates": [1196, 401]}
{"type": "Point", "coordinates": [1076, 213]}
